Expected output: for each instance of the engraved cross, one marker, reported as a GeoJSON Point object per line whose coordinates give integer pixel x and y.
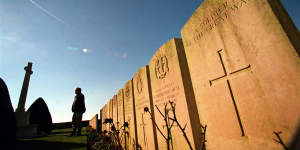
{"type": "Point", "coordinates": [143, 125]}
{"type": "Point", "coordinates": [226, 78]}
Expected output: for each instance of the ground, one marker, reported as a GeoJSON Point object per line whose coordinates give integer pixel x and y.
{"type": "Point", "coordinates": [57, 140]}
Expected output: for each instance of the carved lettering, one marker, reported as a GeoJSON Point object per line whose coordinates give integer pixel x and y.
{"type": "Point", "coordinates": [166, 93]}
{"type": "Point", "coordinates": [216, 17]}
{"type": "Point", "coordinates": [141, 102]}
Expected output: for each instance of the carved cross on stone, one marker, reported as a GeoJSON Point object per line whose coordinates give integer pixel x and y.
{"type": "Point", "coordinates": [23, 95]}
{"type": "Point", "coordinates": [144, 132]}
{"type": "Point", "coordinates": [226, 77]}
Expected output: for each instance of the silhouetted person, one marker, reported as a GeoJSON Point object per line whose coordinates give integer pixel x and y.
{"type": "Point", "coordinates": [8, 119]}
{"type": "Point", "coordinates": [78, 108]}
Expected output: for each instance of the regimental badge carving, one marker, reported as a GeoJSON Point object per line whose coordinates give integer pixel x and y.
{"type": "Point", "coordinates": [127, 92]}
{"type": "Point", "coordinates": [139, 84]}
{"type": "Point", "coordinates": [161, 67]}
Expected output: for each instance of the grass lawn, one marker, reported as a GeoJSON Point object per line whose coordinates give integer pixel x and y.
{"type": "Point", "coordinates": [57, 140]}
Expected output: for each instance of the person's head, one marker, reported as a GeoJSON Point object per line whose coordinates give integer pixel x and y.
{"type": "Point", "coordinates": [78, 90]}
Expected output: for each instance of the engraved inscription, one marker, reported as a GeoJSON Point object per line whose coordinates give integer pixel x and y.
{"type": "Point", "coordinates": [215, 17]}
{"type": "Point", "coordinates": [128, 107]}
{"type": "Point", "coordinates": [141, 102]}
{"type": "Point", "coordinates": [167, 92]}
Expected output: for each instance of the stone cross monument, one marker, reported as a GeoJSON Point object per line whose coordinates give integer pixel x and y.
{"type": "Point", "coordinates": [24, 128]}
{"type": "Point", "coordinates": [23, 95]}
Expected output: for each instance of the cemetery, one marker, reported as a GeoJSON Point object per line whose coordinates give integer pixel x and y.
{"type": "Point", "coordinates": [218, 87]}
{"type": "Point", "coordinates": [231, 82]}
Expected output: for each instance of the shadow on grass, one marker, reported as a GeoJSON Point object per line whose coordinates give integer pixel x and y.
{"type": "Point", "coordinates": [47, 145]}
{"type": "Point", "coordinates": [76, 135]}
{"type": "Point", "coordinates": [61, 132]}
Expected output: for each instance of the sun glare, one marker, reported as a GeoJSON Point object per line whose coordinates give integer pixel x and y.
{"type": "Point", "coordinates": [85, 50]}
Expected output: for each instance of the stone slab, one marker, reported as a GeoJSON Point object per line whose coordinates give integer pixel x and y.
{"type": "Point", "coordinates": [115, 110]}
{"type": "Point", "coordinates": [147, 136]}
{"type": "Point", "coordinates": [120, 99]}
{"type": "Point", "coordinates": [100, 119]}
{"type": "Point", "coordinates": [111, 107]}
{"type": "Point", "coordinates": [170, 81]}
{"type": "Point", "coordinates": [120, 123]}
{"type": "Point", "coordinates": [93, 123]}
{"type": "Point", "coordinates": [129, 113]}
{"type": "Point", "coordinates": [245, 70]}
{"type": "Point", "coordinates": [105, 115]}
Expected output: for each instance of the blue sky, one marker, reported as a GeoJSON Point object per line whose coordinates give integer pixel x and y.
{"type": "Point", "coordinates": [95, 44]}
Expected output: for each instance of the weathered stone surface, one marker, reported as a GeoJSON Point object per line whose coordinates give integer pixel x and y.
{"type": "Point", "coordinates": [120, 99]}
{"type": "Point", "coordinates": [40, 115]}
{"type": "Point", "coordinates": [295, 143]}
{"type": "Point", "coordinates": [120, 123]}
{"type": "Point", "coordinates": [245, 70]}
{"type": "Point", "coordinates": [8, 120]}
{"type": "Point", "coordinates": [100, 120]}
{"type": "Point", "coordinates": [170, 81]}
{"type": "Point", "coordinates": [105, 115]}
{"type": "Point", "coordinates": [115, 110]}
{"type": "Point", "coordinates": [93, 123]}
{"type": "Point", "coordinates": [147, 136]}
{"type": "Point", "coordinates": [111, 107]}
{"type": "Point", "coordinates": [110, 113]}
{"type": "Point", "coordinates": [129, 112]}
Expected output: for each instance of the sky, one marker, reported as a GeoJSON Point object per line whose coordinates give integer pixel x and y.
{"type": "Point", "coordinates": [97, 45]}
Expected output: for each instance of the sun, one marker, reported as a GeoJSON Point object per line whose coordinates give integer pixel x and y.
{"type": "Point", "coordinates": [85, 50]}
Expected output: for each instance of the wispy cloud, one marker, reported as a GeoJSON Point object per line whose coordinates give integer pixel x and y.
{"type": "Point", "coordinates": [117, 54]}
{"type": "Point", "coordinates": [9, 38]}
{"type": "Point", "coordinates": [84, 50]}
{"type": "Point", "coordinates": [47, 12]}
{"type": "Point", "coordinates": [125, 55]}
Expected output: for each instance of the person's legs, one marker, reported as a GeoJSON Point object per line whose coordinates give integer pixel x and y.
{"type": "Point", "coordinates": [78, 122]}
{"type": "Point", "coordinates": [74, 124]}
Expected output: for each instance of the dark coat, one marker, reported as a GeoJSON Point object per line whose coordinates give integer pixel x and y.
{"type": "Point", "coordinates": [78, 104]}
